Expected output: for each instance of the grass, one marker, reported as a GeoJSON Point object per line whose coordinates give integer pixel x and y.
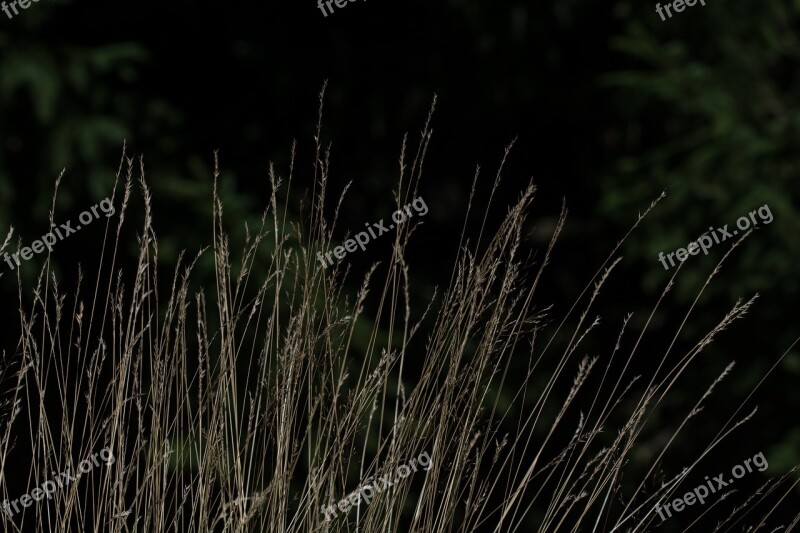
{"type": "Point", "coordinates": [242, 405]}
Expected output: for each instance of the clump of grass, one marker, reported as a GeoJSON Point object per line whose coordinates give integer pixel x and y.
{"type": "Point", "coordinates": [240, 406]}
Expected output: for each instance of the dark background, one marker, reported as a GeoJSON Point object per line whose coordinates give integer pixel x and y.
{"type": "Point", "coordinates": [610, 106]}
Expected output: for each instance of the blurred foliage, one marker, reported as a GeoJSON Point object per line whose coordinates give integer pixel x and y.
{"type": "Point", "coordinates": [714, 122]}
{"type": "Point", "coordinates": [71, 108]}
{"type": "Point", "coordinates": [64, 104]}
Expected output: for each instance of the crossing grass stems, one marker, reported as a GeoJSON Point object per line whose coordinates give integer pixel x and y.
{"type": "Point", "coordinates": [219, 401]}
